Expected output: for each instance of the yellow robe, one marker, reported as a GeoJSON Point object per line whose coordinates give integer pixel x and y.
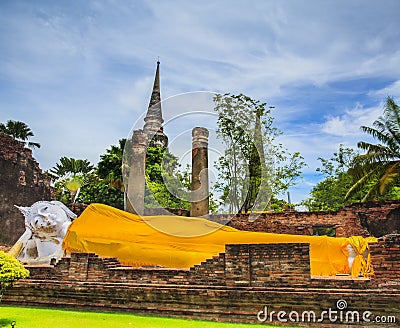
{"type": "Point", "coordinates": [138, 241]}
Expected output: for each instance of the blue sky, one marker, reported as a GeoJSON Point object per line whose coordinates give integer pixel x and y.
{"type": "Point", "coordinates": [80, 73]}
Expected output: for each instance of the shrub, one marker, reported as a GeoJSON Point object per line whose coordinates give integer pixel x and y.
{"type": "Point", "coordinates": [11, 270]}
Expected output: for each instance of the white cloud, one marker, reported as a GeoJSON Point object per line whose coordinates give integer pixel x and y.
{"type": "Point", "coordinates": [392, 90]}
{"type": "Point", "coordinates": [84, 72]}
{"type": "Point", "coordinates": [135, 97]}
{"type": "Point", "coordinates": [350, 122]}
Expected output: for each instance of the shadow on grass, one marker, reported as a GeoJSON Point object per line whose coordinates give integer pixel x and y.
{"type": "Point", "coordinates": [5, 322]}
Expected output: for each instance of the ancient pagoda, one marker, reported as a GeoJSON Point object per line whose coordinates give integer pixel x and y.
{"type": "Point", "coordinates": [154, 120]}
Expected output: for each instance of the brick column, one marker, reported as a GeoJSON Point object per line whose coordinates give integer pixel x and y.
{"type": "Point", "coordinates": [385, 257]}
{"type": "Point", "coordinates": [78, 266]}
{"type": "Point", "coordinates": [199, 199]}
{"type": "Point", "coordinates": [279, 264]}
{"type": "Point", "coordinates": [137, 178]}
{"type": "Point", "coordinates": [237, 265]}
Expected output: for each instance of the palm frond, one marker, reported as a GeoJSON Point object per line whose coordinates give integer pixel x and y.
{"type": "Point", "coordinates": [392, 118]}
{"type": "Point", "coordinates": [390, 174]}
{"type": "Point", "coordinates": [394, 137]}
{"type": "Point", "coordinates": [33, 144]}
{"type": "Point", "coordinates": [363, 177]}
{"type": "Point", "coordinates": [380, 164]}
{"type": "Point", "coordinates": [382, 136]}
{"type": "Point", "coordinates": [371, 193]}
{"type": "Point", "coordinates": [392, 109]}
{"type": "Point", "coordinates": [376, 154]}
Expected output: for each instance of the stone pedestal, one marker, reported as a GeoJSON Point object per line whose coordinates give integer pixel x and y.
{"type": "Point", "coordinates": [199, 197]}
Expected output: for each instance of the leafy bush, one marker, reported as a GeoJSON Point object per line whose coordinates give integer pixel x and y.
{"type": "Point", "coordinates": [11, 270]}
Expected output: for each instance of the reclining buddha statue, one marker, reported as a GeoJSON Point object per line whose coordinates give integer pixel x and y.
{"type": "Point", "coordinates": [46, 223]}
{"type": "Point", "coordinates": [166, 240]}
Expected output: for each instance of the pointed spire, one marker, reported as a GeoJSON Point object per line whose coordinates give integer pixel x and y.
{"type": "Point", "coordinates": [156, 93]}
{"type": "Point", "coordinates": [154, 120]}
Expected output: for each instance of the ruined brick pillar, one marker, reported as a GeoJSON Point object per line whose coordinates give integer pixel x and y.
{"type": "Point", "coordinates": [199, 196]}
{"type": "Point", "coordinates": [22, 183]}
{"type": "Point", "coordinates": [137, 178]}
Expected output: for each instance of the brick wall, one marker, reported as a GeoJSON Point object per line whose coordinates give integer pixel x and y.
{"type": "Point", "coordinates": [22, 183]}
{"type": "Point", "coordinates": [77, 208]}
{"type": "Point", "coordinates": [241, 265]}
{"type": "Point", "coordinates": [385, 256]}
{"type": "Point", "coordinates": [345, 221]}
{"type": "Point", "coordinates": [285, 264]}
{"type": "Point", "coordinates": [262, 265]}
{"type": "Point", "coordinates": [239, 304]}
{"type": "Point", "coordinates": [376, 218]}
{"type": "Point", "coordinates": [210, 272]}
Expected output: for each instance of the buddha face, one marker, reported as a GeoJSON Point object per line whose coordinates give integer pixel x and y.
{"type": "Point", "coordinates": [46, 218]}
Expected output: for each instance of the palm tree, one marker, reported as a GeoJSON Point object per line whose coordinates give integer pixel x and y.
{"type": "Point", "coordinates": [379, 167]}
{"type": "Point", "coordinates": [71, 166]}
{"type": "Point", "coordinates": [70, 172]}
{"type": "Point", "coordinates": [18, 130]}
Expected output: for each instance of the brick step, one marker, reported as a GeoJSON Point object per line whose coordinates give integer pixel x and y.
{"type": "Point", "coordinates": [230, 304]}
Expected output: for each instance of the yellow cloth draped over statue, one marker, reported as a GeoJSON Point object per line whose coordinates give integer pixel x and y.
{"type": "Point", "coordinates": [132, 239]}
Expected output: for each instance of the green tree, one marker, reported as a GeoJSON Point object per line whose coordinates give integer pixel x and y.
{"type": "Point", "coordinates": [165, 183]}
{"type": "Point", "coordinates": [379, 167]}
{"type": "Point", "coordinates": [256, 166]}
{"type": "Point", "coordinates": [20, 131]}
{"type": "Point", "coordinates": [105, 185]}
{"type": "Point", "coordinates": [98, 190]}
{"type": "Point", "coordinates": [11, 270]}
{"type": "Point", "coordinates": [253, 167]}
{"type": "Point", "coordinates": [70, 173]}
{"type": "Point", "coordinates": [329, 194]}
{"type": "Point", "coordinates": [288, 174]}
{"type": "Point", "coordinates": [110, 164]}
{"type": "Point", "coordinates": [71, 166]}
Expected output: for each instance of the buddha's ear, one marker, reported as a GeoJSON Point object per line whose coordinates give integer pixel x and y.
{"type": "Point", "coordinates": [67, 211]}
{"type": "Point", "coordinates": [24, 210]}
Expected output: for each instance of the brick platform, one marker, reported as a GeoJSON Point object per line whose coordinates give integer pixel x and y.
{"type": "Point", "coordinates": [233, 286]}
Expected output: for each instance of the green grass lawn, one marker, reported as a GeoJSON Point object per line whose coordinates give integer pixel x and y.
{"type": "Point", "coordinates": [47, 318]}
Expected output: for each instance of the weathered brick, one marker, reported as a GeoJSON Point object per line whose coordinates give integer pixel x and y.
{"type": "Point", "coordinates": [22, 183]}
